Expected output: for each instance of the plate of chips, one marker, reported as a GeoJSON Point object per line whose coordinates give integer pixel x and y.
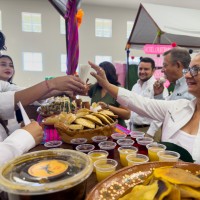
{"type": "Point", "coordinates": [157, 180]}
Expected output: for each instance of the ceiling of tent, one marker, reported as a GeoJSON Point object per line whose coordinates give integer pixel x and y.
{"type": "Point", "coordinates": [176, 24]}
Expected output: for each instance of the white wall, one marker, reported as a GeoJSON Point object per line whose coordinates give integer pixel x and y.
{"type": "Point", "coordinates": [51, 43]}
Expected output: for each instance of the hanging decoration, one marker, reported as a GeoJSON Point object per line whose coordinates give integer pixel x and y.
{"type": "Point", "coordinates": [72, 37]}
{"type": "Point", "coordinates": [79, 17]}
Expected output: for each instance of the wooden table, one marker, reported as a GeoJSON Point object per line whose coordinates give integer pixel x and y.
{"type": "Point", "coordinates": [91, 181]}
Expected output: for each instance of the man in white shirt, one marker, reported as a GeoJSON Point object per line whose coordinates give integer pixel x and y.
{"type": "Point", "coordinates": [144, 87]}
{"type": "Point", "coordinates": [175, 60]}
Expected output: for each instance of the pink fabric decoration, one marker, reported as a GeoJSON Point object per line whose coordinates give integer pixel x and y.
{"type": "Point", "coordinates": [72, 37]}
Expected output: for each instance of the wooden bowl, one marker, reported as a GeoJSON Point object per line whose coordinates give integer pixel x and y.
{"type": "Point", "coordinates": [116, 185]}
{"type": "Point", "coordinates": [67, 134]}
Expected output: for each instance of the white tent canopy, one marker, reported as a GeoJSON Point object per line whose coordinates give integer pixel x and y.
{"type": "Point", "coordinates": [160, 24]}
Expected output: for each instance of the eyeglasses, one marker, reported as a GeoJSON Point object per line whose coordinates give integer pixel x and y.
{"type": "Point", "coordinates": [194, 70]}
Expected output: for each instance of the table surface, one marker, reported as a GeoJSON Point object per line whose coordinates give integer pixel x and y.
{"type": "Point", "coordinates": [91, 181]}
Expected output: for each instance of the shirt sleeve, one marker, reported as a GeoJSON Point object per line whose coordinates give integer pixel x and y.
{"type": "Point", "coordinates": [19, 142]}
{"type": "Point", "coordinates": [154, 126]}
{"type": "Point", "coordinates": [7, 105]}
{"type": "Point", "coordinates": [146, 107]}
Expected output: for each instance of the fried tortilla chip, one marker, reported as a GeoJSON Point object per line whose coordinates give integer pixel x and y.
{"type": "Point", "coordinates": [189, 192]}
{"type": "Point", "coordinates": [177, 176]}
{"type": "Point", "coordinates": [164, 188]}
{"type": "Point", "coordinates": [67, 118]}
{"type": "Point", "coordinates": [85, 122]}
{"type": "Point", "coordinates": [109, 113]}
{"type": "Point", "coordinates": [174, 194]}
{"type": "Point", "coordinates": [76, 127]}
{"type": "Point", "coordinates": [61, 126]}
{"type": "Point", "coordinates": [107, 117]}
{"type": "Point", "coordinates": [50, 120]}
{"type": "Point", "coordinates": [83, 110]}
{"type": "Point", "coordinates": [102, 118]}
{"type": "Point", "coordinates": [94, 119]}
{"type": "Point", "coordinates": [81, 114]}
{"type": "Point", "coordinates": [142, 192]}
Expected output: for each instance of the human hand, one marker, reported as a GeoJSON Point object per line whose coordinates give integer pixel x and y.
{"type": "Point", "coordinates": [35, 130]}
{"type": "Point", "coordinates": [158, 87]}
{"type": "Point", "coordinates": [99, 75]}
{"type": "Point", "coordinates": [103, 105]}
{"type": "Point", "coordinates": [67, 83]}
{"type": "Point", "coordinates": [69, 94]}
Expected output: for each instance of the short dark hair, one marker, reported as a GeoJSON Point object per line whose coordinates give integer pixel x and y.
{"type": "Point", "coordinates": [148, 60]}
{"type": "Point", "coordinates": [2, 41]}
{"type": "Point", "coordinates": [179, 54]}
{"type": "Point", "coordinates": [110, 72]}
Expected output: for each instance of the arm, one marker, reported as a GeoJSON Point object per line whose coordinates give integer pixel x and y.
{"type": "Point", "coordinates": [146, 107]}
{"type": "Point", "coordinates": [20, 141]}
{"type": "Point", "coordinates": [122, 112]}
{"type": "Point", "coordinates": [64, 83]}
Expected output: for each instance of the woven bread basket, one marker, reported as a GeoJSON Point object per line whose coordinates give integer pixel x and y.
{"type": "Point", "coordinates": [67, 135]}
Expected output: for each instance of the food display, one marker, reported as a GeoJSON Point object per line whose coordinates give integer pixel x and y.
{"type": "Point", "coordinates": [55, 105]}
{"type": "Point", "coordinates": [167, 183]}
{"type": "Point", "coordinates": [85, 123]}
{"type": "Point", "coordinates": [149, 181]}
{"type": "Point", "coordinates": [46, 175]}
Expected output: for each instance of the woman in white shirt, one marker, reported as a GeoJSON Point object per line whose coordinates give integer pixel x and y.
{"type": "Point", "coordinates": [7, 72]}
{"type": "Point", "coordinates": [180, 117]}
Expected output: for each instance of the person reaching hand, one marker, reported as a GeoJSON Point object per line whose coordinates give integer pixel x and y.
{"type": "Point", "coordinates": [20, 141]}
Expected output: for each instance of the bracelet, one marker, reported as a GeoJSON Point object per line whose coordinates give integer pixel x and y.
{"type": "Point", "coordinates": [47, 85]}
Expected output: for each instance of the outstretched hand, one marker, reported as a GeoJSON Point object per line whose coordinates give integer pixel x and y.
{"type": "Point", "coordinates": [99, 75]}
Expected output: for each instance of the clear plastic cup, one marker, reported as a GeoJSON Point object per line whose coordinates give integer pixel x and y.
{"type": "Point", "coordinates": [168, 156]}
{"type": "Point", "coordinates": [53, 144]}
{"type": "Point", "coordinates": [97, 139]}
{"type": "Point", "coordinates": [125, 142]}
{"type": "Point", "coordinates": [104, 168]}
{"type": "Point", "coordinates": [85, 148]}
{"type": "Point", "coordinates": [136, 134]}
{"type": "Point", "coordinates": [153, 149]}
{"type": "Point", "coordinates": [124, 151]}
{"type": "Point", "coordinates": [142, 142]}
{"type": "Point", "coordinates": [109, 147]}
{"type": "Point", "coordinates": [137, 159]}
{"type": "Point", "coordinates": [76, 141]}
{"type": "Point", "coordinates": [117, 136]}
{"type": "Point", "coordinates": [96, 155]}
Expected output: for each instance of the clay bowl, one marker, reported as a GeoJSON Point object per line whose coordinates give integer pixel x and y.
{"type": "Point", "coordinates": [118, 184]}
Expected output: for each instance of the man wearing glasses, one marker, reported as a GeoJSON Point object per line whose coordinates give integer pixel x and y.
{"type": "Point", "coordinates": [176, 60]}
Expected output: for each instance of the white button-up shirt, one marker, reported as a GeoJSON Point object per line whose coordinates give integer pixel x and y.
{"type": "Point", "coordinates": [173, 114]}
{"type": "Point", "coordinates": [180, 92]}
